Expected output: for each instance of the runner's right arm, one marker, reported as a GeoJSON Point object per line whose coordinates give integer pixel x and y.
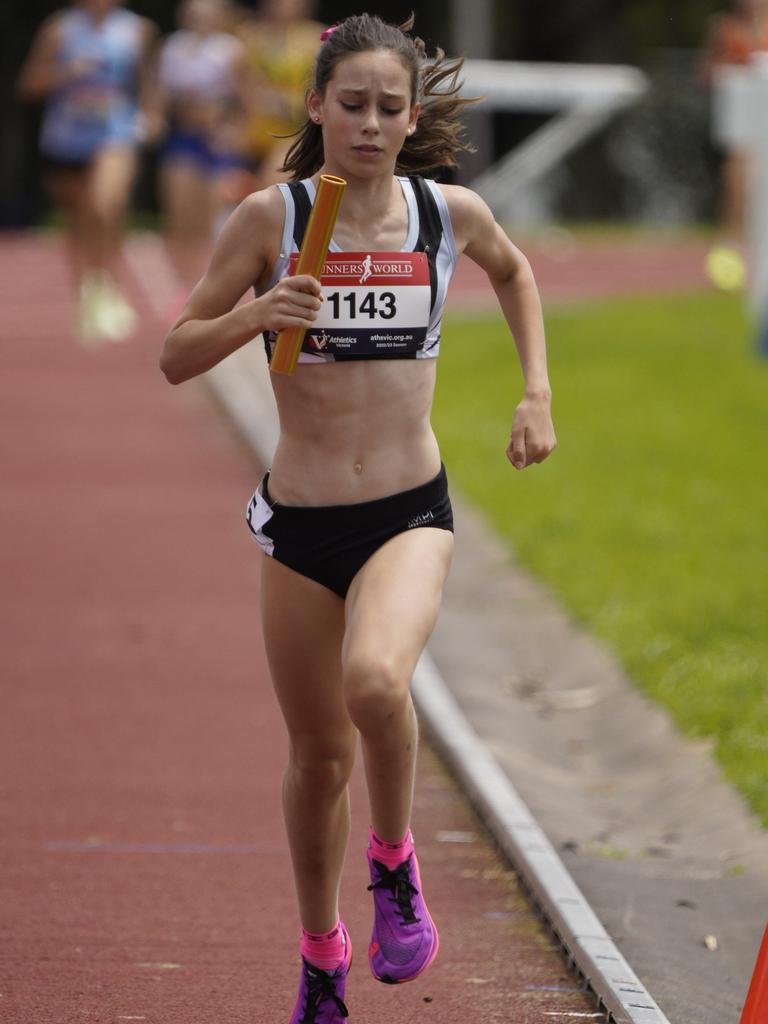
{"type": "Point", "coordinates": [211, 326]}
{"type": "Point", "coordinates": [40, 73]}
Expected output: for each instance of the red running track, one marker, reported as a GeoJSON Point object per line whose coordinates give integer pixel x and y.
{"type": "Point", "coordinates": [144, 874]}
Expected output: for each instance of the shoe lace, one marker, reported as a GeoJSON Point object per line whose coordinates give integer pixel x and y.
{"type": "Point", "coordinates": [320, 986]}
{"type": "Point", "coordinates": [401, 888]}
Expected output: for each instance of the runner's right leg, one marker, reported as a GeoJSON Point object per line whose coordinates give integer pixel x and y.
{"type": "Point", "coordinates": [108, 189]}
{"type": "Point", "coordinates": [187, 195]}
{"type": "Point", "coordinates": [68, 189]}
{"type": "Point", "coordinates": [303, 629]}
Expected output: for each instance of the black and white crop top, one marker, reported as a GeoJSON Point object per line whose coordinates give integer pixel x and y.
{"type": "Point", "coordinates": [378, 305]}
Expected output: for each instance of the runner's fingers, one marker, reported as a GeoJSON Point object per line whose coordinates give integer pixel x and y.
{"type": "Point", "coordinates": [517, 450]}
{"type": "Point", "coordinates": [541, 449]}
{"type": "Point", "coordinates": [537, 452]}
{"type": "Point", "coordinates": [310, 311]}
{"type": "Point", "coordinates": [300, 298]}
{"type": "Point", "coordinates": [297, 321]}
{"type": "Point", "coordinates": [296, 305]}
{"type": "Point", "coordinates": [305, 283]}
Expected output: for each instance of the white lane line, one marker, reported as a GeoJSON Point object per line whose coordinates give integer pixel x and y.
{"type": "Point", "coordinates": [536, 860]}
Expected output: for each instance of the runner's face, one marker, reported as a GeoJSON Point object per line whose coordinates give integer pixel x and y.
{"type": "Point", "coordinates": [202, 16]}
{"type": "Point", "coordinates": [753, 8]}
{"type": "Point", "coordinates": [366, 113]}
{"type": "Point", "coordinates": [287, 10]}
{"type": "Point", "coordinates": [99, 8]}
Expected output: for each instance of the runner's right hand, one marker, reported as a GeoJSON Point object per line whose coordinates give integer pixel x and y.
{"type": "Point", "coordinates": [293, 302]}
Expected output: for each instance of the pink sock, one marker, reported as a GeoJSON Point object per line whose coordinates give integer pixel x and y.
{"type": "Point", "coordinates": [325, 950]}
{"type": "Point", "coordinates": [391, 854]}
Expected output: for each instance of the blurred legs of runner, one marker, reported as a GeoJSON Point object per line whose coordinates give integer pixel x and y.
{"type": "Point", "coordinates": [268, 171]}
{"type": "Point", "coordinates": [342, 668]}
{"type": "Point", "coordinates": [188, 194]}
{"type": "Point", "coordinates": [736, 175]}
{"type": "Point", "coordinates": [93, 201]}
{"type": "Point", "coordinates": [725, 262]}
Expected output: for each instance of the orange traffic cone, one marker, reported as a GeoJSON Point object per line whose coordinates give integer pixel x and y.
{"type": "Point", "coordinates": [756, 1007]}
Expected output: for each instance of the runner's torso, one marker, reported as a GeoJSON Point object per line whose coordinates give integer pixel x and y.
{"type": "Point", "coordinates": [197, 73]}
{"type": "Point", "coordinates": [100, 106]}
{"type": "Point", "coordinates": [359, 429]}
{"type": "Point", "coordinates": [379, 304]}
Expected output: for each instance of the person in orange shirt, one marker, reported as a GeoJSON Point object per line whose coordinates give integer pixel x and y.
{"type": "Point", "coordinates": [735, 38]}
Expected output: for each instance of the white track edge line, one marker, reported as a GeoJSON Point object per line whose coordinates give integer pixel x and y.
{"type": "Point", "coordinates": [523, 841]}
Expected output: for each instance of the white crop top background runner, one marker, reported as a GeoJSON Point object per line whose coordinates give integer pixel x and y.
{"type": "Point", "coordinates": [429, 231]}
{"type": "Point", "coordinates": [199, 67]}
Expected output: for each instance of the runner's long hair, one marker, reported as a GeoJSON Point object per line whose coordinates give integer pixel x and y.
{"type": "Point", "coordinates": [435, 84]}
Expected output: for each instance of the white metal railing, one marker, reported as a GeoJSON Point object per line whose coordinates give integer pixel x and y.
{"type": "Point", "coordinates": [583, 98]}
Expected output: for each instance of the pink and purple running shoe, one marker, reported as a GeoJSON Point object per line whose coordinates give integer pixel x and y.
{"type": "Point", "coordinates": [404, 941]}
{"type": "Point", "coordinates": [321, 993]}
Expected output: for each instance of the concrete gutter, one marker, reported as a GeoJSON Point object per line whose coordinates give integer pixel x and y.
{"type": "Point", "coordinates": [588, 946]}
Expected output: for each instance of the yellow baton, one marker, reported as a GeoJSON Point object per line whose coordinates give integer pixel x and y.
{"type": "Point", "coordinates": [312, 255]}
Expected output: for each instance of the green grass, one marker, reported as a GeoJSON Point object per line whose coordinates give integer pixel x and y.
{"type": "Point", "coordinates": [650, 520]}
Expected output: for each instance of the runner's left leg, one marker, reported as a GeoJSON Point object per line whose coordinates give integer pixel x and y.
{"type": "Point", "coordinates": [391, 609]}
{"type": "Point", "coordinates": [392, 606]}
{"type": "Point", "coordinates": [108, 193]}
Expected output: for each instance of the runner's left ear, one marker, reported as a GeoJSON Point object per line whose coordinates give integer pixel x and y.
{"type": "Point", "coordinates": [413, 118]}
{"type": "Point", "coordinates": [315, 106]}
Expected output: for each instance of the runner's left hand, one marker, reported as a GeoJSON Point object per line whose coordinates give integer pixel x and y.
{"type": "Point", "coordinates": [533, 434]}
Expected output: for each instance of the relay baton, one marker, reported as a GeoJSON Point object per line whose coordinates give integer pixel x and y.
{"type": "Point", "coordinates": [314, 249]}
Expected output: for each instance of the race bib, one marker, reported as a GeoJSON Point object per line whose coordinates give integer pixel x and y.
{"type": "Point", "coordinates": [376, 305]}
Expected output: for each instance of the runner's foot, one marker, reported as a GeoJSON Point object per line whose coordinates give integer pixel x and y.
{"type": "Point", "coordinates": [321, 993]}
{"type": "Point", "coordinates": [404, 941]}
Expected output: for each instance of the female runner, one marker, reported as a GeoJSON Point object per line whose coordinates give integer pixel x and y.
{"type": "Point", "coordinates": [91, 63]}
{"type": "Point", "coordinates": [201, 69]}
{"type": "Point", "coordinates": [281, 42]}
{"type": "Point", "coordinates": [354, 513]}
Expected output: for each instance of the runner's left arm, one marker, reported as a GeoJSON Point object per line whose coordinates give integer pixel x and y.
{"type": "Point", "coordinates": [41, 73]}
{"type": "Point", "coordinates": [509, 272]}
{"type": "Point", "coordinates": [150, 99]}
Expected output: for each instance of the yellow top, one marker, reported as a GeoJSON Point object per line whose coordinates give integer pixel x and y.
{"type": "Point", "coordinates": [280, 62]}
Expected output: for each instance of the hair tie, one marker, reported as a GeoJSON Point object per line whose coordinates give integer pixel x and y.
{"type": "Point", "coordinates": [328, 33]}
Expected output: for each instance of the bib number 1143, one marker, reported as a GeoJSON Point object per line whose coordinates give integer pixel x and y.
{"type": "Point", "coordinates": [373, 304]}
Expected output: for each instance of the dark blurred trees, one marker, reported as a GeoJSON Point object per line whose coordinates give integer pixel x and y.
{"type": "Point", "coordinates": [599, 31]}
{"type": "Point", "coordinates": [659, 35]}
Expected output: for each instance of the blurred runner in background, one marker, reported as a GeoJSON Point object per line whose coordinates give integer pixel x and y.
{"type": "Point", "coordinates": [201, 90]}
{"type": "Point", "coordinates": [735, 38]}
{"type": "Point", "coordinates": [90, 63]}
{"type": "Point", "coordinates": [281, 41]}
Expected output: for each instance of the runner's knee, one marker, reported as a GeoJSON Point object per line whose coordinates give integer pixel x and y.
{"type": "Point", "coordinates": [107, 211]}
{"type": "Point", "coordinates": [375, 692]}
{"type": "Point", "coordinates": [322, 768]}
